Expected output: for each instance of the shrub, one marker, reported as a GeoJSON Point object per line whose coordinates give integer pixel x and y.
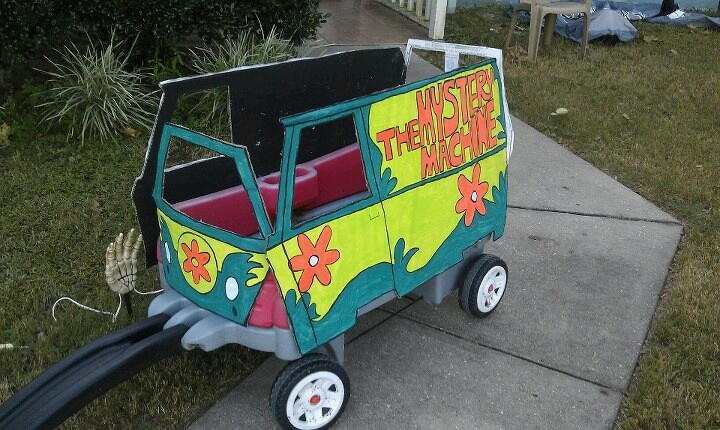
{"type": "Point", "coordinates": [243, 50]}
{"type": "Point", "coordinates": [28, 26]}
{"type": "Point", "coordinates": [94, 95]}
{"type": "Point", "coordinates": [32, 26]}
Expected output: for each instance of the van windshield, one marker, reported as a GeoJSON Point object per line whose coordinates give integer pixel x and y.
{"type": "Point", "coordinates": [207, 187]}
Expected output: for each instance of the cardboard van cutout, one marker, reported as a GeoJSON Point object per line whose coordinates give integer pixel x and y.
{"type": "Point", "coordinates": [340, 189]}
{"type": "Point", "coordinates": [419, 175]}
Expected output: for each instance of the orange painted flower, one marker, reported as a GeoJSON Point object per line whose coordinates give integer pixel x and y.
{"type": "Point", "coordinates": [314, 259]}
{"type": "Point", "coordinates": [195, 261]}
{"type": "Point", "coordinates": [472, 192]}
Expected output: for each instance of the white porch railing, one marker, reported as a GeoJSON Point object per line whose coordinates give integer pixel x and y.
{"type": "Point", "coordinates": [429, 13]}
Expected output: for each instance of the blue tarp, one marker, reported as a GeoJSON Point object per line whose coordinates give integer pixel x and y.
{"type": "Point", "coordinates": [603, 22]}
{"type": "Point", "coordinates": [610, 18]}
{"type": "Point", "coordinates": [687, 18]}
{"type": "Point", "coordinates": [607, 18]}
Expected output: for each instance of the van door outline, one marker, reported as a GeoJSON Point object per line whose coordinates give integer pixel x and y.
{"type": "Point", "coordinates": [285, 231]}
{"type": "Point", "coordinates": [245, 244]}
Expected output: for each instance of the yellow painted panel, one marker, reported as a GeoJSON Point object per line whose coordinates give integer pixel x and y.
{"type": "Point", "coordinates": [342, 248]}
{"type": "Point", "coordinates": [182, 235]}
{"type": "Point", "coordinates": [281, 268]}
{"type": "Point", "coordinates": [425, 216]}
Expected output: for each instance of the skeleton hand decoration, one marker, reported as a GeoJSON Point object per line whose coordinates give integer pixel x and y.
{"type": "Point", "coordinates": [121, 262]}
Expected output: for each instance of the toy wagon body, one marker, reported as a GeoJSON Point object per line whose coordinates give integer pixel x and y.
{"type": "Point", "coordinates": [379, 191]}
{"type": "Point", "coordinates": [341, 189]}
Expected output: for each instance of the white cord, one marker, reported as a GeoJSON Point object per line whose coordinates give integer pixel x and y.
{"type": "Point", "coordinates": [142, 293]}
{"type": "Point", "coordinates": [117, 311]}
{"type": "Point", "coordinates": [88, 308]}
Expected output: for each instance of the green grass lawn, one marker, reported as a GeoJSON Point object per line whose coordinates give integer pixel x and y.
{"type": "Point", "coordinates": [62, 204]}
{"type": "Point", "coordinates": [645, 112]}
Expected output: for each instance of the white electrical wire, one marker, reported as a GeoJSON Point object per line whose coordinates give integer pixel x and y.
{"type": "Point", "coordinates": [143, 293]}
{"type": "Point", "coordinates": [88, 308]}
{"type": "Point", "coordinates": [120, 275]}
{"type": "Point", "coordinates": [11, 346]}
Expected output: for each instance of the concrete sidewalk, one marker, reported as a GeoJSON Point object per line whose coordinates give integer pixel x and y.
{"type": "Point", "coordinates": [587, 259]}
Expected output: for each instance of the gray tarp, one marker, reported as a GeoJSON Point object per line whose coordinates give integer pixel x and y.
{"type": "Point", "coordinates": [610, 18]}
{"type": "Point", "coordinates": [607, 18]}
{"type": "Point", "coordinates": [603, 22]}
{"type": "Point", "coordinates": [687, 18]}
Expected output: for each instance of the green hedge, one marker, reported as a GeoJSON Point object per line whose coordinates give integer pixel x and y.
{"type": "Point", "coordinates": [26, 27]}
{"type": "Point", "coordinates": [32, 27]}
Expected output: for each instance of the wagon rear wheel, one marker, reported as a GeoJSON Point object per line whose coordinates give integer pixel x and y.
{"type": "Point", "coordinates": [484, 286]}
{"type": "Point", "coordinates": [310, 393]}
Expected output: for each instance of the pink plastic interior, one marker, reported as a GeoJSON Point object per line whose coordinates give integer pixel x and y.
{"type": "Point", "coordinates": [227, 209]}
{"type": "Point", "coordinates": [305, 190]}
{"type": "Point", "coordinates": [268, 310]}
{"type": "Point", "coordinates": [340, 174]}
{"type": "Point", "coordinates": [320, 181]}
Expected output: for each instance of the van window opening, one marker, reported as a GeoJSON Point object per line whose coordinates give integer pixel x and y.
{"type": "Point", "coordinates": [221, 203]}
{"type": "Point", "coordinates": [330, 166]}
{"type": "Point", "coordinates": [204, 111]}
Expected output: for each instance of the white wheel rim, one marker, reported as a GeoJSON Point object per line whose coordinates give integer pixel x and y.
{"type": "Point", "coordinates": [315, 400]}
{"type": "Point", "coordinates": [491, 289]}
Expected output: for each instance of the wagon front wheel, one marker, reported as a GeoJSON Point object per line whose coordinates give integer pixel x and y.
{"type": "Point", "coordinates": [484, 286]}
{"type": "Point", "coordinates": [310, 393]}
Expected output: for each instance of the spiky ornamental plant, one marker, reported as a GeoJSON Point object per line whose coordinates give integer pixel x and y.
{"type": "Point", "coordinates": [244, 50]}
{"type": "Point", "coordinates": [94, 95]}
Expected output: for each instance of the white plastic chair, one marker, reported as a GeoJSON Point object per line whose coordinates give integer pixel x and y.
{"type": "Point", "coordinates": [538, 9]}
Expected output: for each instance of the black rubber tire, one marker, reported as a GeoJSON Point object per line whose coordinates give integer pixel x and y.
{"type": "Point", "coordinates": [292, 374]}
{"type": "Point", "coordinates": [468, 292]}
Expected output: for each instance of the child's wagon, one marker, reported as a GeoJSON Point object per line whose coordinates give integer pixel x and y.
{"type": "Point", "coordinates": [356, 202]}
{"type": "Point", "coordinates": [339, 189]}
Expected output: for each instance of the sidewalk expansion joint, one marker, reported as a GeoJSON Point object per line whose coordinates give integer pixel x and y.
{"type": "Point", "coordinates": [514, 355]}
{"type": "Point", "coordinates": [373, 327]}
{"type": "Point", "coordinates": [389, 315]}
{"type": "Point", "coordinates": [615, 217]}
